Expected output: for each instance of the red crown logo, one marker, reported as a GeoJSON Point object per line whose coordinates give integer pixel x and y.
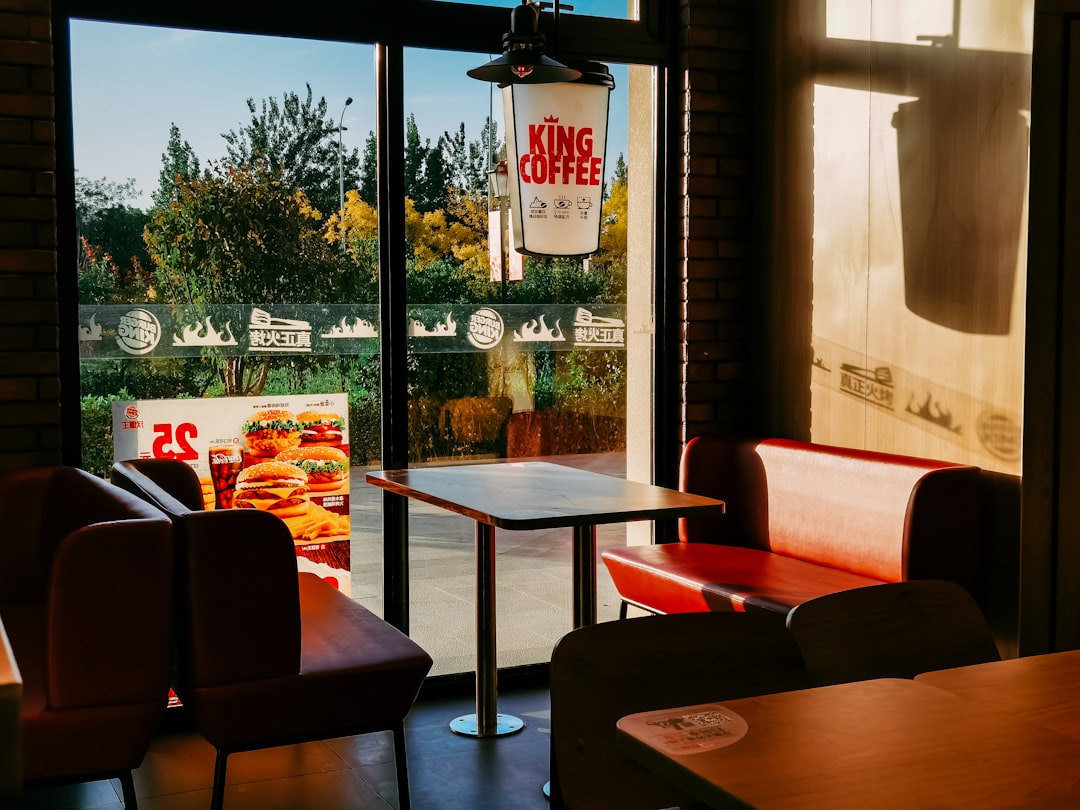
{"type": "Point", "coordinates": [551, 119]}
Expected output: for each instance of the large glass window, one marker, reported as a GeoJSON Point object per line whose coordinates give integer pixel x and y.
{"type": "Point", "coordinates": [228, 260]}
{"type": "Point", "coordinates": [222, 321]}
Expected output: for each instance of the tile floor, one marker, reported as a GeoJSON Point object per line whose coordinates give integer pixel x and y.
{"type": "Point", "coordinates": [446, 771]}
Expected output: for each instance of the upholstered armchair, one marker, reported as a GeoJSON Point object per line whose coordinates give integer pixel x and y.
{"type": "Point", "coordinates": [267, 656]}
{"type": "Point", "coordinates": [86, 602]}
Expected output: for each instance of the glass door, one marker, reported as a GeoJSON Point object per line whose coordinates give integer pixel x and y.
{"type": "Point", "coordinates": [511, 358]}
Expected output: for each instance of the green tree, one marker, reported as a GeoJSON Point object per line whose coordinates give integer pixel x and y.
{"type": "Point", "coordinates": [369, 168]}
{"type": "Point", "coordinates": [94, 196]}
{"type": "Point", "coordinates": [425, 170]}
{"type": "Point", "coordinates": [178, 163]}
{"type": "Point", "coordinates": [112, 259]}
{"type": "Point", "coordinates": [433, 186]}
{"type": "Point", "coordinates": [239, 235]}
{"type": "Point", "coordinates": [621, 172]}
{"type": "Point", "coordinates": [414, 157]}
{"type": "Point", "coordinates": [114, 267]}
{"type": "Point", "coordinates": [298, 139]}
{"type": "Point", "coordinates": [468, 162]}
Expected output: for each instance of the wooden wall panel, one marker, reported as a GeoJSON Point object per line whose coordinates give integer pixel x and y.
{"type": "Point", "coordinates": [919, 215]}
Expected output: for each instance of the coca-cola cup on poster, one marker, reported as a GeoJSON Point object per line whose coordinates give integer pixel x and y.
{"type": "Point", "coordinates": [226, 461]}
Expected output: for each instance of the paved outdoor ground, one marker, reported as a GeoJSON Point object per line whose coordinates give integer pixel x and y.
{"type": "Point", "coordinates": [532, 575]}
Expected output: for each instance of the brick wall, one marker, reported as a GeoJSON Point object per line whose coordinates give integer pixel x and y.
{"type": "Point", "coordinates": [29, 319]}
{"type": "Point", "coordinates": [714, 44]}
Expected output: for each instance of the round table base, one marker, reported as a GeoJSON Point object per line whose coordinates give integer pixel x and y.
{"type": "Point", "coordinates": [468, 726]}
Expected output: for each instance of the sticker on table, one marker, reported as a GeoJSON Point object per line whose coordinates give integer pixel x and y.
{"type": "Point", "coordinates": [695, 730]}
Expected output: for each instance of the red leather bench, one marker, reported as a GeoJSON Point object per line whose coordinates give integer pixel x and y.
{"type": "Point", "coordinates": [803, 520]}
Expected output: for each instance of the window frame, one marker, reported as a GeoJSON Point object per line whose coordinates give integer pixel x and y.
{"type": "Point", "coordinates": [415, 24]}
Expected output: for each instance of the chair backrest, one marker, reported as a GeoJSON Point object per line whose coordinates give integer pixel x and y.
{"type": "Point", "coordinates": [881, 515]}
{"type": "Point", "coordinates": [602, 672]}
{"type": "Point", "coordinates": [41, 507]}
{"type": "Point", "coordinates": [171, 485]}
{"type": "Point", "coordinates": [894, 630]}
{"type": "Point", "coordinates": [86, 596]}
{"type": "Point", "coordinates": [239, 616]}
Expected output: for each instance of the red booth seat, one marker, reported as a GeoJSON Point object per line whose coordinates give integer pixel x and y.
{"type": "Point", "coordinates": [803, 520]}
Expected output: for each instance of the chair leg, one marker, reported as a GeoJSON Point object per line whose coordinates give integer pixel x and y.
{"type": "Point", "coordinates": [554, 791]}
{"type": "Point", "coordinates": [127, 785]}
{"type": "Point", "coordinates": [217, 798]}
{"type": "Point", "coordinates": [623, 606]}
{"type": "Point", "coordinates": [404, 802]}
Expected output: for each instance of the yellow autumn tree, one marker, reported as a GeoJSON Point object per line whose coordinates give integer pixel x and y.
{"type": "Point", "coordinates": [356, 224]}
{"type": "Point", "coordinates": [613, 230]}
{"type": "Point", "coordinates": [460, 231]}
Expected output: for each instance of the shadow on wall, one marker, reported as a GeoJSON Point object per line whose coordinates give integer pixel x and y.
{"type": "Point", "coordinates": [963, 157]}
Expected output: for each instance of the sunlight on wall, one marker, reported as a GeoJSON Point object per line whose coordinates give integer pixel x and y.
{"type": "Point", "coordinates": [920, 223]}
{"type": "Point", "coordinates": [985, 25]}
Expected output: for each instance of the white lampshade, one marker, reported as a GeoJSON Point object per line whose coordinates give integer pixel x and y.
{"type": "Point", "coordinates": [556, 138]}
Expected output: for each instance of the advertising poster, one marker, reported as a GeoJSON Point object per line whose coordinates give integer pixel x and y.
{"type": "Point", "coordinates": [283, 454]}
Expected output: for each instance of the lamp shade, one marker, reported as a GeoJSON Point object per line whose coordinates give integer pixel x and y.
{"type": "Point", "coordinates": [524, 67]}
{"type": "Point", "coordinates": [556, 139]}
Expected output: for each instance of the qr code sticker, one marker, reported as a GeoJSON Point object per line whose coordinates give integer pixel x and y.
{"type": "Point", "coordinates": [692, 720]}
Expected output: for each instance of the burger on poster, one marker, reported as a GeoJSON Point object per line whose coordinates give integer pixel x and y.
{"type": "Point", "coordinates": [275, 487]}
{"type": "Point", "coordinates": [269, 432]}
{"type": "Point", "coordinates": [326, 467]}
{"type": "Point", "coordinates": [321, 428]}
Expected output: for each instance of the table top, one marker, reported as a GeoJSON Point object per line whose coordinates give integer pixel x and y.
{"type": "Point", "coordinates": [886, 743]}
{"type": "Point", "coordinates": [1042, 688]}
{"type": "Point", "coordinates": [539, 494]}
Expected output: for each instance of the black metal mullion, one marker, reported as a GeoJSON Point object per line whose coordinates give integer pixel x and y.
{"type": "Point", "coordinates": [390, 128]}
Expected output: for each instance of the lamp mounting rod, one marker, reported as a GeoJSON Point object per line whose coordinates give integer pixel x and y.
{"type": "Point", "coordinates": [523, 60]}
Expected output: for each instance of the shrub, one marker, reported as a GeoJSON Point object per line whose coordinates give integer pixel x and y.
{"type": "Point", "coordinates": [97, 433]}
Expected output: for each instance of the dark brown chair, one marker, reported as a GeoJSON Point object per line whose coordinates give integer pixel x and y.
{"type": "Point", "coordinates": [267, 656]}
{"type": "Point", "coordinates": [896, 630]}
{"type": "Point", "coordinates": [86, 574]}
{"type": "Point", "coordinates": [602, 672]}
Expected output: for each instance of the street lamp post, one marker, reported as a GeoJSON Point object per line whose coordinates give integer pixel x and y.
{"type": "Point", "coordinates": [341, 158]}
{"type": "Point", "coordinates": [341, 166]}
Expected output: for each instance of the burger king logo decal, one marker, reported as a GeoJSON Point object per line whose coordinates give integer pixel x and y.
{"type": "Point", "coordinates": [1000, 434]}
{"type": "Point", "coordinates": [139, 331]}
{"type": "Point", "coordinates": [485, 328]}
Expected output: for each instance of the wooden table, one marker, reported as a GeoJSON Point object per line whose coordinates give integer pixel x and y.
{"type": "Point", "coordinates": [532, 495]}
{"type": "Point", "coordinates": [886, 743]}
{"type": "Point", "coordinates": [1044, 689]}
{"type": "Point", "coordinates": [11, 776]}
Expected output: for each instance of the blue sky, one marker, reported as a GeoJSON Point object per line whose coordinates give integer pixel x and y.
{"type": "Point", "coordinates": [130, 83]}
